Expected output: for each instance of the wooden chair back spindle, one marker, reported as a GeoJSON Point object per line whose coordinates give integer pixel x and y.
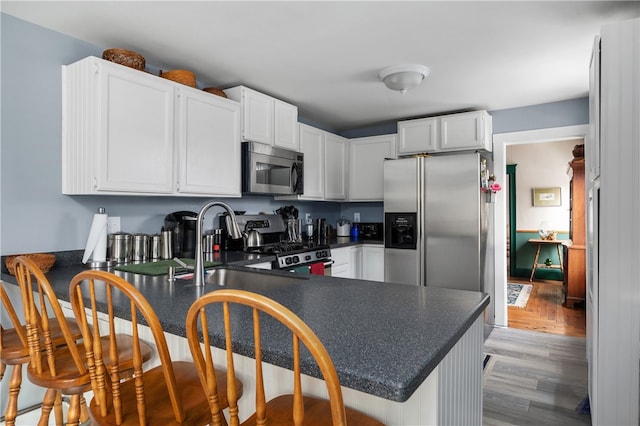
{"type": "Point", "coordinates": [285, 409]}
{"type": "Point", "coordinates": [167, 394]}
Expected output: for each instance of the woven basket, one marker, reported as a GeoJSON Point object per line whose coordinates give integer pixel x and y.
{"type": "Point", "coordinates": [44, 261]}
{"type": "Point", "coordinates": [215, 91]}
{"type": "Point", "coordinates": [185, 77]}
{"type": "Point", "coordinates": [125, 57]}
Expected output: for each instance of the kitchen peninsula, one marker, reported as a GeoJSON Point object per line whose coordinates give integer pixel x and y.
{"type": "Point", "coordinates": [406, 355]}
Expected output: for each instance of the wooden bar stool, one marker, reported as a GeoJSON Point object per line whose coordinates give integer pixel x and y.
{"type": "Point", "coordinates": [14, 351]}
{"type": "Point", "coordinates": [168, 394]}
{"type": "Point", "coordinates": [294, 409]}
{"type": "Point", "coordinates": [63, 369]}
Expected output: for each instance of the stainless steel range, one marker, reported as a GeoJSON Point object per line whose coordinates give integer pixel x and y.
{"type": "Point", "coordinates": [295, 256]}
{"type": "Point", "coordinates": [315, 258]}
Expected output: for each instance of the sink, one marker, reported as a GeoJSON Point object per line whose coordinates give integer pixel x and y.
{"type": "Point", "coordinates": [250, 280]}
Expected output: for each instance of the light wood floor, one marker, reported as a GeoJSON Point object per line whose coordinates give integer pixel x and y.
{"type": "Point", "coordinates": [534, 378]}
{"type": "Point", "coordinates": [544, 311]}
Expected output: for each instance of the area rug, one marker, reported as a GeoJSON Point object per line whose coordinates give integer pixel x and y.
{"type": "Point", "coordinates": [518, 294]}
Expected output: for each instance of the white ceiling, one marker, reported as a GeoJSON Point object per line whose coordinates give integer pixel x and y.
{"type": "Point", "coordinates": [325, 56]}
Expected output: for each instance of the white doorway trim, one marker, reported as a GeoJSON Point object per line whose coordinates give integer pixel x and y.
{"type": "Point", "coordinates": [500, 142]}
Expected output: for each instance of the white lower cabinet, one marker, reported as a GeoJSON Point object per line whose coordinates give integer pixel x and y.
{"type": "Point", "coordinates": [360, 261]}
{"type": "Point", "coordinates": [346, 261]}
{"type": "Point", "coordinates": [372, 262]}
{"type": "Point", "coordinates": [127, 132]}
{"type": "Point", "coordinates": [366, 166]}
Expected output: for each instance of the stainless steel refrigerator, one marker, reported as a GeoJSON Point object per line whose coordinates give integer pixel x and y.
{"type": "Point", "coordinates": [438, 223]}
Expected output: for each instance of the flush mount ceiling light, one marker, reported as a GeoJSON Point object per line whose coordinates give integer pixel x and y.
{"type": "Point", "coordinates": [403, 77]}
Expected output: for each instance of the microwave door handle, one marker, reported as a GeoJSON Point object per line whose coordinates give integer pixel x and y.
{"type": "Point", "coordinates": [294, 178]}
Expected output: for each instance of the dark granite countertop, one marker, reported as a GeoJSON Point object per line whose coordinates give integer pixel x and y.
{"type": "Point", "coordinates": [384, 339]}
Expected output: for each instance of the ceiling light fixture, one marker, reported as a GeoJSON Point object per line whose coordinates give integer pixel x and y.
{"type": "Point", "coordinates": [403, 77]}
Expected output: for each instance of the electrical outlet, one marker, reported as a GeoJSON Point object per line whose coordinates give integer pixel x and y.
{"type": "Point", "coordinates": [307, 218]}
{"type": "Point", "coordinates": [356, 217]}
{"type": "Point", "coordinates": [113, 224]}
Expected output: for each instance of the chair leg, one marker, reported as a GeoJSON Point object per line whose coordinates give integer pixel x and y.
{"type": "Point", "coordinates": [48, 402]}
{"type": "Point", "coordinates": [57, 410]}
{"type": "Point", "coordinates": [74, 411]}
{"type": "Point", "coordinates": [3, 367]}
{"type": "Point", "coordinates": [84, 411]}
{"type": "Point", "coordinates": [14, 389]}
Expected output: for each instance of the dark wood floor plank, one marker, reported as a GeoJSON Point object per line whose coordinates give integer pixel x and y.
{"type": "Point", "coordinates": [544, 311]}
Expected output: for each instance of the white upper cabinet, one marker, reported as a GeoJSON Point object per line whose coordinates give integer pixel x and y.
{"type": "Point", "coordinates": [325, 165]}
{"type": "Point", "coordinates": [119, 133]}
{"type": "Point", "coordinates": [454, 132]}
{"type": "Point", "coordinates": [266, 119]}
{"type": "Point", "coordinates": [208, 129]}
{"type": "Point", "coordinates": [417, 135]}
{"type": "Point", "coordinates": [366, 166]}
{"type": "Point", "coordinates": [335, 167]}
{"type": "Point", "coordinates": [470, 130]}
{"type": "Point", "coordinates": [312, 146]}
{"type": "Point", "coordinates": [286, 126]}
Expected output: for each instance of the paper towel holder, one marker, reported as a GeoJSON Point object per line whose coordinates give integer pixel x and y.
{"type": "Point", "coordinates": [98, 264]}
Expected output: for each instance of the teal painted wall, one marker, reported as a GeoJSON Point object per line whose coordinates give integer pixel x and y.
{"type": "Point", "coordinates": [526, 252]}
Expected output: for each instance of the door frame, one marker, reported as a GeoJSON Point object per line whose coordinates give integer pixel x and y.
{"type": "Point", "coordinates": [500, 142]}
{"type": "Point", "coordinates": [511, 177]}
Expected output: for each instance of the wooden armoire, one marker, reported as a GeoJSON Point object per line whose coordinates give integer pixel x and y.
{"type": "Point", "coordinates": [575, 254]}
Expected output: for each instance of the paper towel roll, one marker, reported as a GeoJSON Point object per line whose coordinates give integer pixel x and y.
{"type": "Point", "coordinates": [97, 241]}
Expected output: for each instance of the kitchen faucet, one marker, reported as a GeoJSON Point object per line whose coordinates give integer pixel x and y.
{"type": "Point", "coordinates": [234, 232]}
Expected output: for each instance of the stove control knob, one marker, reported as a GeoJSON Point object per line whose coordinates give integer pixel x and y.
{"type": "Point", "coordinates": [287, 261]}
{"type": "Point", "coordinates": [296, 259]}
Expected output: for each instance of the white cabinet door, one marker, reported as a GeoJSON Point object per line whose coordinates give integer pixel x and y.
{"type": "Point", "coordinates": [208, 130]}
{"type": "Point", "coordinates": [373, 263]}
{"type": "Point", "coordinates": [286, 126]}
{"type": "Point", "coordinates": [416, 136]}
{"type": "Point", "coordinates": [257, 116]}
{"type": "Point", "coordinates": [312, 146]}
{"type": "Point", "coordinates": [118, 130]}
{"type": "Point", "coordinates": [355, 258]}
{"type": "Point", "coordinates": [266, 119]}
{"type": "Point", "coordinates": [342, 262]}
{"type": "Point", "coordinates": [464, 131]}
{"type": "Point", "coordinates": [366, 166]}
{"type": "Point", "coordinates": [135, 155]}
{"type": "Point", "coordinates": [335, 167]}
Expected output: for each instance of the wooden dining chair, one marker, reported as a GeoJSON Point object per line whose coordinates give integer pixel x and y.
{"type": "Point", "coordinates": [168, 394]}
{"type": "Point", "coordinates": [63, 368]}
{"type": "Point", "coordinates": [14, 351]}
{"type": "Point", "coordinates": [291, 409]}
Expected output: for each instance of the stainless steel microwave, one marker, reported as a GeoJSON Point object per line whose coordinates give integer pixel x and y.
{"type": "Point", "coordinates": [270, 170]}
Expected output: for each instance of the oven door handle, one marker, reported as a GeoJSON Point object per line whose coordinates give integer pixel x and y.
{"type": "Point", "coordinates": [328, 263]}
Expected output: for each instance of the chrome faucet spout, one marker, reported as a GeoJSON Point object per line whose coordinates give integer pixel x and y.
{"type": "Point", "coordinates": [234, 232]}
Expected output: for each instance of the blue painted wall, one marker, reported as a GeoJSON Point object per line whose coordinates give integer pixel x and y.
{"type": "Point", "coordinates": [35, 216]}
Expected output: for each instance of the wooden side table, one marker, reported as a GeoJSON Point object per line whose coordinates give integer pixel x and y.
{"type": "Point", "coordinates": [540, 243]}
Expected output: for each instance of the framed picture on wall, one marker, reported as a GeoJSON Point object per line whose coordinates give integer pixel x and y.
{"type": "Point", "coordinates": [546, 197]}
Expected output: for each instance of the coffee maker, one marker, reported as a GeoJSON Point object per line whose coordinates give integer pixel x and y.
{"type": "Point", "coordinates": [182, 224]}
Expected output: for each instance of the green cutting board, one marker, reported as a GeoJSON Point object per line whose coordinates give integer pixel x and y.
{"type": "Point", "coordinates": [161, 267]}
